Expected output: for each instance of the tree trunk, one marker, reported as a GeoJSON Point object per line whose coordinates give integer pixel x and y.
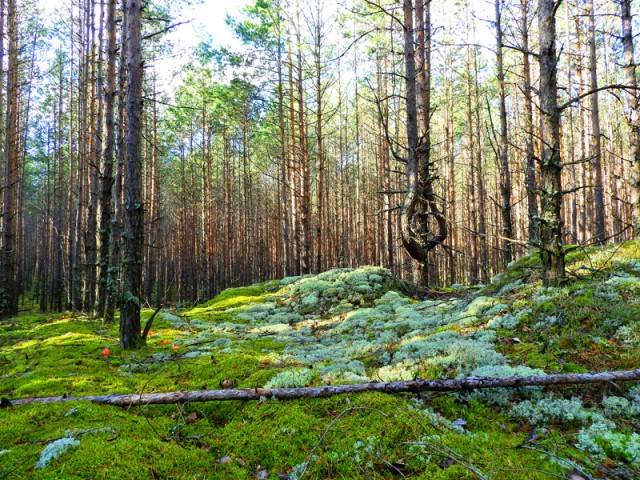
{"type": "Point", "coordinates": [472, 203]}
{"type": "Point", "coordinates": [293, 169]}
{"type": "Point", "coordinates": [530, 181]}
{"type": "Point", "coordinates": [106, 166]}
{"type": "Point", "coordinates": [503, 152]}
{"type": "Point", "coordinates": [414, 386]}
{"type": "Point", "coordinates": [113, 280]}
{"type": "Point", "coordinates": [420, 200]}
{"type": "Point", "coordinates": [480, 177]}
{"type": "Point", "coordinates": [8, 262]}
{"type": "Point", "coordinates": [596, 147]}
{"type": "Point", "coordinates": [133, 221]}
{"type": "Point", "coordinates": [318, 37]}
{"type": "Point", "coordinates": [551, 195]}
{"type": "Point", "coordinates": [93, 232]}
{"type": "Point", "coordinates": [633, 116]}
{"type": "Point", "coordinates": [303, 157]}
{"type": "Point", "coordinates": [57, 285]}
{"type": "Point", "coordinates": [150, 278]}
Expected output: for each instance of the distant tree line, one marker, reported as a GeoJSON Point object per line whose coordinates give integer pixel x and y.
{"type": "Point", "coordinates": [442, 140]}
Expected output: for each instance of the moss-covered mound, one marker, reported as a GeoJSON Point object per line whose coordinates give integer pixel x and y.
{"type": "Point", "coordinates": [338, 290]}
{"type": "Point", "coordinates": [342, 326]}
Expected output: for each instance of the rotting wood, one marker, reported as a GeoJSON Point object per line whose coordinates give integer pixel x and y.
{"type": "Point", "coordinates": [441, 385]}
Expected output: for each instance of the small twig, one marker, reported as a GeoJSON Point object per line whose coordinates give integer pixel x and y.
{"type": "Point", "coordinates": [536, 470]}
{"type": "Point", "coordinates": [569, 463]}
{"type": "Point", "coordinates": [324, 434]}
{"type": "Point", "coordinates": [446, 451]}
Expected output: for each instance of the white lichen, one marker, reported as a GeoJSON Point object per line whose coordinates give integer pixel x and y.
{"type": "Point", "coordinates": [55, 450]}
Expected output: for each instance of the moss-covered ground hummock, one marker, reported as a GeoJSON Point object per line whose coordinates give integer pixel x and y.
{"type": "Point", "coordinates": [342, 326]}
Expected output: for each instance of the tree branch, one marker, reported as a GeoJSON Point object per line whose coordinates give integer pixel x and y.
{"type": "Point", "coordinates": [166, 29]}
{"type": "Point", "coordinates": [414, 386]}
{"type": "Point", "coordinates": [596, 90]}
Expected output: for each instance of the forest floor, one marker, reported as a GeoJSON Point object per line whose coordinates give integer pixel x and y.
{"type": "Point", "coordinates": [342, 326]}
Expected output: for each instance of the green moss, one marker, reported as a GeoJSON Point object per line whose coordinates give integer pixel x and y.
{"type": "Point", "coordinates": [341, 326]}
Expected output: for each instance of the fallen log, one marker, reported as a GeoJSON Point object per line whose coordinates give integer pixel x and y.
{"type": "Point", "coordinates": [414, 386]}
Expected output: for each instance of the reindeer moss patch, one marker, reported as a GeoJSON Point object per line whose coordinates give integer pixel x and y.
{"type": "Point", "coordinates": [342, 326]}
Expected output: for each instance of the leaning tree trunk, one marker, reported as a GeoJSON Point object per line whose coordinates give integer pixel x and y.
{"type": "Point", "coordinates": [551, 194]}
{"type": "Point", "coordinates": [133, 221]}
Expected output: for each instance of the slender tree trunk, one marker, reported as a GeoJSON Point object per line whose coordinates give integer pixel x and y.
{"type": "Point", "coordinates": [106, 165]}
{"type": "Point", "coordinates": [570, 128]}
{"type": "Point", "coordinates": [596, 147]}
{"type": "Point", "coordinates": [319, 137]}
{"type": "Point", "coordinates": [150, 278]}
{"type": "Point", "coordinates": [633, 115]}
{"type": "Point", "coordinates": [305, 193]}
{"type": "Point", "coordinates": [57, 285]}
{"type": "Point", "coordinates": [503, 149]}
{"type": "Point", "coordinates": [71, 178]}
{"type": "Point", "coordinates": [551, 224]}
{"type": "Point", "coordinates": [293, 169]}
{"type": "Point", "coordinates": [530, 181]}
{"type": "Point", "coordinates": [480, 179]}
{"type": "Point", "coordinates": [8, 262]}
{"type": "Point", "coordinates": [286, 190]}
{"type": "Point", "coordinates": [472, 210]}
{"type": "Point", "coordinates": [584, 204]}
{"type": "Point", "coordinates": [83, 127]}
{"type": "Point", "coordinates": [133, 221]}
{"type": "Point", "coordinates": [44, 271]}
{"type": "Point", "coordinates": [113, 280]}
{"type": "Point", "coordinates": [93, 234]}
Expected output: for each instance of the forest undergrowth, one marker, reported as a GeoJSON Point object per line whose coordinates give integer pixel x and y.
{"type": "Point", "coordinates": [341, 326]}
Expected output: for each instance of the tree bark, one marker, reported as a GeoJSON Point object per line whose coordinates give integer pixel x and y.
{"type": "Point", "coordinates": [414, 386]}
{"type": "Point", "coordinates": [133, 222]}
{"type": "Point", "coordinates": [633, 117]}
{"type": "Point", "coordinates": [596, 146]}
{"type": "Point", "coordinates": [503, 152]}
{"type": "Point", "coordinates": [113, 280]}
{"type": "Point", "coordinates": [420, 201]}
{"type": "Point", "coordinates": [551, 194]}
{"type": "Point", "coordinates": [317, 53]}
{"type": "Point", "coordinates": [93, 232]}
{"type": "Point", "coordinates": [106, 170]}
{"type": "Point", "coordinates": [293, 167]}
{"type": "Point", "coordinates": [303, 158]}
{"type": "Point", "coordinates": [532, 198]}
{"type": "Point", "coordinates": [8, 261]}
